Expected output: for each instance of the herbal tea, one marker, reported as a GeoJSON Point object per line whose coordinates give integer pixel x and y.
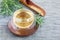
{"type": "Point", "coordinates": [23, 19]}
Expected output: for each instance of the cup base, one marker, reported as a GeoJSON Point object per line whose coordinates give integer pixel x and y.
{"type": "Point", "coordinates": [22, 32]}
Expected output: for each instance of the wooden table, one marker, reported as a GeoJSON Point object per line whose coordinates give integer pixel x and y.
{"type": "Point", "coordinates": [50, 29]}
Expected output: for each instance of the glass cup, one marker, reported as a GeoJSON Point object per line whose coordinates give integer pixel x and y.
{"type": "Point", "coordinates": [23, 23]}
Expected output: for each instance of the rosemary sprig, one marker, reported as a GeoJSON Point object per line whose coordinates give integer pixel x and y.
{"type": "Point", "coordinates": [9, 6]}
{"type": "Point", "coordinates": [39, 19]}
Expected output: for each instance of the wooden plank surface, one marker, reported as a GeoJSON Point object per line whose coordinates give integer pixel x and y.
{"type": "Point", "coordinates": [50, 29]}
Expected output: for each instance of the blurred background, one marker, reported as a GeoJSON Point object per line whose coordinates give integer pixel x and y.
{"type": "Point", "coordinates": [50, 29]}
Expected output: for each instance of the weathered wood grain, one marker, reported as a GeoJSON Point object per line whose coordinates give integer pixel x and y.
{"type": "Point", "coordinates": [50, 29]}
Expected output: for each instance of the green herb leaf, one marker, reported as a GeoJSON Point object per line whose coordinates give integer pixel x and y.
{"type": "Point", "coordinates": [39, 19]}
{"type": "Point", "coordinates": [9, 6]}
